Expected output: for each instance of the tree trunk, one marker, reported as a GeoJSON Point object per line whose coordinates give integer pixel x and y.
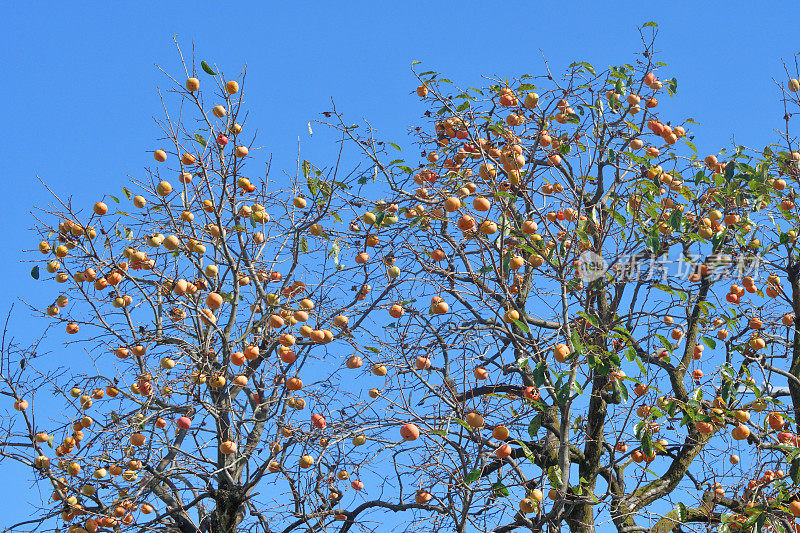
{"type": "Point", "coordinates": [225, 518]}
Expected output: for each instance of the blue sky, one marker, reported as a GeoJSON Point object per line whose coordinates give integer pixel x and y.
{"type": "Point", "coordinates": [79, 89]}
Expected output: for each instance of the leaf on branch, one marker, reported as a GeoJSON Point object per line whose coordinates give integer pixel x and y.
{"type": "Point", "coordinates": [647, 444]}
{"type": "Point", "coordinates": [711, 343]}
{"type": "Point", "coordinates": [334, 252]}
{"type": "Point", "coordinates": [554, 476]}
{"type": "Point", "coordinates": [521, 325]}
{"type": "Point", "coordinates": [585, 65]}
{"type": "Point", "coordinates": [462, 424]}
{"type": "Point", "coordinates": [473, 476]}
{"type": "Point", "coordinates": [682, 512]}
{"type": "Point", "coordinates": [538, 374]}
{"type": "Point", "coordinates": [35, 272]}
{"type": "Point", "coordinates": [672, 86]}
{"type": "Point", "coordinates": [527, 451]}
{"type": "Point", "coordinates": [623, 390]}
{"type": "Point", "coordinates": [675, 219]}
{"type": "Point", "coordinates": [207, 68]}
{"type": "Point", "coordinates": [533, 427]}
{"type": "Point", "coordinates": [500, 489]}
{"type": "Point", "coordinates": [589, 318]}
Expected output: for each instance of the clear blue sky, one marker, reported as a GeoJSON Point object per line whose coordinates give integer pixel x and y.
{"type": "Point", "coordinates": [79, 81]}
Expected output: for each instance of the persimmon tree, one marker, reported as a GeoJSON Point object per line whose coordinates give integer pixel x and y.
{"type": "Point", "coordinates": [212, 314]}
{"type": "Point", "coordinates": [598, 322]}
{"type": "Point", "coordinates": [561, 316]}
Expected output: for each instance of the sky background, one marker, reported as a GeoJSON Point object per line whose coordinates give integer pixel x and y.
{"type": "Point", "coordinates": [79, 89]}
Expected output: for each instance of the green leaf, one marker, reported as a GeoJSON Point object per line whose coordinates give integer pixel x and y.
{"type": "Point", "coordinates": [527, 451]}
{"type": "Point", "coordinates": [306, 166]}
{"type": "Point", "coordinates": [647, 444]}
{"type": "Point", "coordinates": [585, 65]}
{"type": "Point", "coordinates": [554, 476]}
{"type": "Point", "coordinates": [729, 170]}
{"type": "Point", "coordinates": [682, 512]}
{"type": "Point", "coordinates": [794, 470]}
{"type": "Point", "coordinates": [473, 476]}
{"type": "Point", "coordinates": [717, 240]}
{"type": "Point", "coordinates": [650, 24]}
{"type": "Point", "coordinates": [672, 86]}
{"type": "Point", "coordinates": [372, 349]}
{"type": "Point", "coordinates": [303, 245]}
{"type": "Point", "coordinates": [533, 427]}
{"type": "Point", "coordinates": [711, 343]}
{"type": "Point", "coordinates": [521, 325]}
{"type": "Point", "coordinates": [334, 252]}
{"type": "Point", "coordinates": [589, 318]}
{"type": "Point", "coordinates": [623, 390]}
{"type": "Point", "coordinates": [618, 218]}
{"type": "Point", "coordinates": [440, 432]}
{"type": "Point", "coordinates": [312, 185]}
{"type": "Point", "coordinates": [325, 188]}
{"type": "Point", "coordinates": [114, 198]}
{"type": "Point", "coordinates": [35, 272]}
{"type": "Point", "coordinates": [462, 424]}
{"type": "Point", "coordinates": [500, 490]}
{"type": "Point", "coordinates": [538, 374]}
{"type": "Point", "coordinates": [127, 193]}
{"type": "Point", "coordinates": [675, 219]}
{"type": "Point", "coordinates": [653, 243]}
{"type": "Point", "coordinates": [199, 138]}
{"type": "Point", "coordinates": [207, 68]}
